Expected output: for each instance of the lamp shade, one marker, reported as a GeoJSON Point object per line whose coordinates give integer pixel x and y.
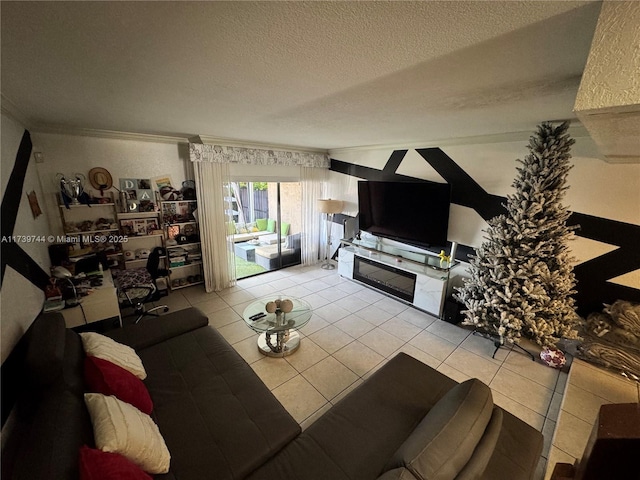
{"type": "Point", "coordinates": [330, 206]}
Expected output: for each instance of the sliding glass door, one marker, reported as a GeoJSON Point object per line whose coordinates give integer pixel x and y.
{"type": "Point", "coordinates": [265, 221]}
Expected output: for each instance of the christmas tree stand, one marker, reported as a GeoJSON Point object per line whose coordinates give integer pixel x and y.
{"type": "Point", "coordinates": [498, 342]}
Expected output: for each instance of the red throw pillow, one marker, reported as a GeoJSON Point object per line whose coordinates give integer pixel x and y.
{"type": "Point", "coordinates": [102, 376]}
{"type": "Point", "coordinates": [98, 465]}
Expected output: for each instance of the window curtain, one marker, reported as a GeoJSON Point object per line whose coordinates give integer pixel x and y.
{"type": "Point", "coordinates": [212, 180]}
{"type": "Point", "coordinates": [211, 171]}
{"type": "Point", "coordinates": [313, 184]}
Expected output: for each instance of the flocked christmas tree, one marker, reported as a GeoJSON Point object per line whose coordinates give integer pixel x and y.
{"type": "Point", "coordinates": [522, 277]}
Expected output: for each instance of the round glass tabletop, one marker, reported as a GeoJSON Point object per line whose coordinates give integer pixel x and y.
{"type": "Point", "coordinates": [295, 319]}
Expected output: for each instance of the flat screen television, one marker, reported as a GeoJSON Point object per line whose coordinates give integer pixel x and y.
{"type": "Point", "coordinates": [416, 213]}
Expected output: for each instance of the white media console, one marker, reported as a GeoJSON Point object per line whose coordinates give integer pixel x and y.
{"type": "Point", "coordinates": [421, 284]}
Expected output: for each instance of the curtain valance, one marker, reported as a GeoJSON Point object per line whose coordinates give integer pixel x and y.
{"type": "Point", "coordinates": [199, 152]}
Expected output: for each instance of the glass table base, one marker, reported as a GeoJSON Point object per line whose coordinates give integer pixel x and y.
{"type": "Point", "coordinates": [279, 344]}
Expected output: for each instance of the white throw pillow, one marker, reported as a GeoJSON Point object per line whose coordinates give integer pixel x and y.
{"type": "Point", "coordinates": [97, 345]}
{"type": "Point", "coordinates": [121, 428]}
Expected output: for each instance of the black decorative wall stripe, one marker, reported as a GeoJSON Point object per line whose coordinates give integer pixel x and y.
{"type": "Point", "coordinates": [593, 285]}
{"type": "Point", "coordinates": [12, 254]}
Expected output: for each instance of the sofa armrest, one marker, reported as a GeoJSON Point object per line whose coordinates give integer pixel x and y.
{"type": "Point", "coordinates": [153, 330]}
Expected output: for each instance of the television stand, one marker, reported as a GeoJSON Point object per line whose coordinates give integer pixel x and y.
{"type": "Point", "coordinates": [420, 284]}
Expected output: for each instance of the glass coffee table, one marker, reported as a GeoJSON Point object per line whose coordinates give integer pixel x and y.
{"type": "Point", "coordinates": [278, 336]}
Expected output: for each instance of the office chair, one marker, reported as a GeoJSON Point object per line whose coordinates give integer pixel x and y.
{"type": "Point", "coordinates": [137, 286]}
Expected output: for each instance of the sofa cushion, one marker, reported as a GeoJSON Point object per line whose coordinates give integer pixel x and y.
{"type": "Point", "coordinates": [100, 346]}
{"type": "Point", "coordinates": [261, 223]}
{"type": "Point", "coordinates": [271, 225]}
{"type": "Point", "coordinates": [397, 474]}
{"type": "Point", "coordinates": [121, 428]}
{"type": "Point", "coordinates": [284, 228]}
{"type": "Point", "coordinates": [476, 466]}
{"type": "Point", "coordinates": [444, 441]}
{"type": "Point", "coordinates": [217, 417]}
{"type": "Point", "coordinates": [152, 330]}
{"type": "Point", "coordinates": [357, 436]}
{"type": "Point", "coordinates": [108, 378]}
{"type": "Point", "coordinates": [98, 465]}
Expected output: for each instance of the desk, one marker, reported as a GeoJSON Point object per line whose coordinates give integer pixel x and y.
{"type": "Point", "coordinates": [101, 304]}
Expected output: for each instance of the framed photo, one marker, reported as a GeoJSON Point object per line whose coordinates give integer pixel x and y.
{"type": "Point", "coordinates": [163, 181]}
{"type": "Point", "coordinates": [139, 193]}
{"type": "Point", "coordinates": [140, 227]}
{"type": "Point", "coordinates": [127, 227]}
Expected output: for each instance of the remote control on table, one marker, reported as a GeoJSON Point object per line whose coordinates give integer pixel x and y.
{"type": "Point", "coordinates": [257, 316]}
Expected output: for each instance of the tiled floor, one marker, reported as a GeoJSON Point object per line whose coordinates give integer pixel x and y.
{"type": "Point", "coordinates": [355, 330]}
{"type": "Point", "coordinates": [588, 387]}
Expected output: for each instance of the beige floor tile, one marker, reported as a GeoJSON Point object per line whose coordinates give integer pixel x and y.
{"type": "Point", "coordinates": [352, 303]}
{"type": "Point", "coordinates": [246, 283]}
{"type": "Point", "coordinates": [175, 301]}
{"type": "Point", "coordinates": [223, 317]}
{"type": "Point", "coordinates": [472, 365]}
{"type": "Point", "coordinates": [300, 398]}
{"type": "Point", "coordinates": [519, 410]}
{"type": "Point", "coordinates": [381, 342]}
{"type": "Point", "coordinates": [548, 429]}
{"type": "Point", "coordinates": [557, 456]}
{"type": "Point", "coordinates": [297, 291]}
{"type": "Point", "coordinates": [399, 328]}
{"type": "Point", "coordinates": [581, 403]}
{"type": "Point", "coordinates": [331, 312]}
{"type": "Point", "coordinates": [248, 349]}
{"type": "Point", "coordinates": [329, 377]}
{"type": "Point", "coordinates": [572, 434]}
{"type": "Point", "coordinates": [485, 348]}
{"type": "Point", "coordinates": [522, 364]}
{"type": "Point", "coordinates": [346, 391]}
{"type": "Point", "coordinates": [391, 306]}
{"type": "Point", "coordinates": [334, 293]}
{"type": "Point", "coordinates": [234, 298]}
{"type": "Point", "coordinates": [313, 286]}
{"type": "Point", "coordinates": [316, 323]}
{"type": "Point", "coordinates": [240, 307]}
{"type": "Point", "coordinates": [418, 354]}
{"type": "Point", "coordinates": [211, 305]}
{"type": "Point", "coordinates": [452, 373]}
{"type": "Point", "coordinates": [417, 318]}
{"type": "Point", "coordinates": [554, 406]}
{"type": "Point", "coordinates": [349, 286]}
{"type": "Point", "coordinates": [599, 382]}
{"type": "Point", "coordinates": [522, 390]}
{"type": "Point", "coordinates": [374, 315]}
{"type": "Point", "coordinates": [236, 331]}
{"type": "Point", "coordinates": [282, 283]}
{"type": "Point", "coordinates": [331, 338]}
{"type": "Point", "coordinates": [315, 416]}
{"type": "Point", "coordinates": [358, 357]}
{"type": "Point", "coordinates": [307, 355]}
{"type": "Point", "coordinates": [315, 300]}
{"type": "Point", "coordinates": [449, 332]}
{"type": "Point", "coordinates": [369, 295]}
{"type": "Point", "coordinates": [196, 294]}
{"type": "Point", "coordinates": [273, 371]}
{"type": "Point", "coordinates": [354, 326]}
{"type": "Point", "coordinates": [432, 344]}
{"type": "Point", "coordinates": [262, 290]}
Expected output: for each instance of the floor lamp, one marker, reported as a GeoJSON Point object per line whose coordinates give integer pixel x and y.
{"type": "Point", "coordinates": [329, 208]}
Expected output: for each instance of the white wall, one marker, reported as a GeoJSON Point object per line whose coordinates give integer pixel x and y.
{"type": "Point", "coordinates": [123, 158]}
{"type": "Point", "coordinates": [21, 300]}
{"type": "Point", "coordinates": [596, 188]}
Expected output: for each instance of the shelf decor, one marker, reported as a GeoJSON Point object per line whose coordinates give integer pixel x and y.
{"type": "Point", "coordinates": [140, 196]}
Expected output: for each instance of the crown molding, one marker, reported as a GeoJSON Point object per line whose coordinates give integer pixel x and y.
{"type": "Point", "coordinates": [576, 130]}
{"type": "Point", "coordinates": [111, 134]}
{"type": "Point", "coordinates": [11, 110]}
{"type": "Point", "coordinates": [232, 142]}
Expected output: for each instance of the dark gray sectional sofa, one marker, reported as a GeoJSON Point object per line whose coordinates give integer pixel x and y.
{"type": "Point", "coordinates": [219, 421]}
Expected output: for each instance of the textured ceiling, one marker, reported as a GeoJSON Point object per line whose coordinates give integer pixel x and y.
{"type": "Point", "coordinates": [314, 74]}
